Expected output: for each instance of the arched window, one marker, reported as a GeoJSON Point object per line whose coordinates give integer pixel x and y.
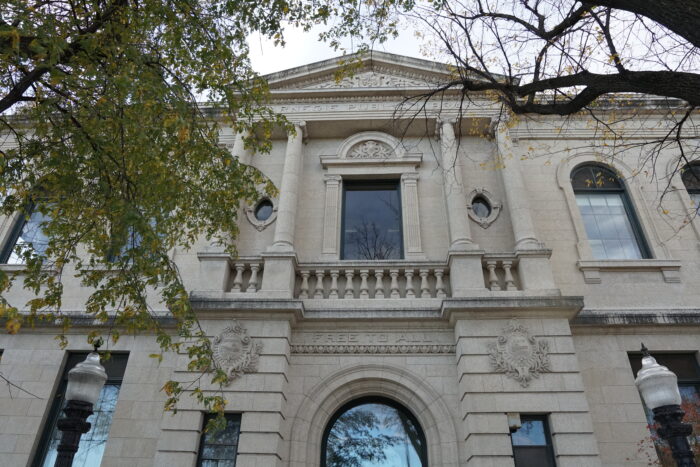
{"type": "Point", "coordinates": [691, 179]}
{"type": "Point", "coordinates": [611, 225]}
{"type": "Point", "coordinates": [373, 432]}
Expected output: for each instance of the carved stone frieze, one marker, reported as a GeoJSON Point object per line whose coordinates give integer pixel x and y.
{"type": "Point", "coordinates": [374, 348]}
{"type": "Point", "coordinates": [378, 77]}
{"type": "Point", "coordinates": [235, 352]}
{"type": "Point", "coordinates": [370, 149]}
{"type": "Point", "coordinates": [519, 355]}
{"type": "Point", "coordinates": [373, 342]}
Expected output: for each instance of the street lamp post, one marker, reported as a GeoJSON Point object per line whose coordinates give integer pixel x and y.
{"type": "Point", "coordinates": [85, 382]}
{"type": "Point", "coordinates": [659, 389]}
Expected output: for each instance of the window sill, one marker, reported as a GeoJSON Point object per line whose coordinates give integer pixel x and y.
{"type": "Point", "coordinates": [13, 267]}
{"type": "Point", "coordinates": [669, 269]}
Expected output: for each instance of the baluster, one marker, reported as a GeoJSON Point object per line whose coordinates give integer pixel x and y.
{"type": "Point", "coordinates": [394, 273]}
{"type": "Point", "coordinates": [424, 287]}
{"type": "Point", "coordinates": [364, 287]}
{"type": "Point", "coordinates": [253, 282]}
{"type": "Point", "coordinates": [304, 292]}
{"type": "Point", "coordinates": [349, 286]}
{"type": "Point", "coordinates": [334, 284]}
{"type": "Point", "coordinates": [318, 291]}
{"type": "Point", "coordinates": [493, 278]}
{"type": "Point", "coordinates": [510, 282]}
{"type": "Point", "coordinates": [379, 283]}
{"type": "Point", "coordinates": [409, 283]}
{"type": "Point", "coordinates": [439, 285]}
{"type": "Point", "coordinates": [238, 280]}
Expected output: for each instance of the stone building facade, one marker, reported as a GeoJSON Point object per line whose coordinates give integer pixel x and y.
{"type": "Point", "coordinates": [487, 301]}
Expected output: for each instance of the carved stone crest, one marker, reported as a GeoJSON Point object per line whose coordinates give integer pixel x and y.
{"type": "Point", "coordinates": [370, 150]}
{"type": "Point", "coordinates": [519, 355]}
{"type": "Point", "coordinates": [235, 352]}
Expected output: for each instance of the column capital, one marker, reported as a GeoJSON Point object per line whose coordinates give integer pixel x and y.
{"type": "Point", "coordinates": [332, 178]}
{"type": "Point", "coordinates": [299, 128]}
{"type": "Point", "coordinates": [409, 176]}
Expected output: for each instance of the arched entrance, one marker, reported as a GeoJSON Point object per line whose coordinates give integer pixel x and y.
{"type": "Point", "coordinates": [373, 432]}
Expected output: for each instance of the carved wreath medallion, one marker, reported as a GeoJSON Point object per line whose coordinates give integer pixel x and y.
{"type": "Point", "coordinates": [519, 355]}
{"type": "Point", "coordinates": [370, 150]}
{"type": "Point", "coordinates": [235, 352]}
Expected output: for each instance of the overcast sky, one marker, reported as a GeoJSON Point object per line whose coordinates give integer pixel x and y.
{"type": "Point", "coordinates": [304, 47]}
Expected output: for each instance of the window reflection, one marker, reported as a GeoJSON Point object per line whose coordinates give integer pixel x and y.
{"type": "Point", "coordinates": [374, 434]}
{"type": "Point", "coordinates": [219, 449]}
{"type": "Point", "coordinates": [372, 221]}
{"type": "Point", "coordinates": [92, 443]}
{"type": "Point", "coordinates": [611, 226]}
{"type": "Point", "coordinates": [28, 235]}
{"type": "Point", "coordinates": [531, 443]}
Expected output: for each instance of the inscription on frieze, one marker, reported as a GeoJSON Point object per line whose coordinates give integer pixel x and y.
{"type": "Point", "coordinates": [372, 342]}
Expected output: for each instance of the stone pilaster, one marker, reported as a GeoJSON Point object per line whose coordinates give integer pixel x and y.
{"type": "Point", "coordinates": [413, 248]}
{"type": "Point", "coordinates": [464, 256]}
{"type": "Point", "coordinates": [331, 217]}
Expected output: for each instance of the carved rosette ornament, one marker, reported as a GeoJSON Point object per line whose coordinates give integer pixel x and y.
{"type": "Point", "coordinates": [519, 355]}
{"type": "Point", "coordinates": [235, 352]}
{"type": "Point", "coordinates": [370, 150]}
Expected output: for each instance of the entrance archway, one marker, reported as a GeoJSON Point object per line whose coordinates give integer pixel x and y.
{"type": "Point", "coordinates": [373, 432]}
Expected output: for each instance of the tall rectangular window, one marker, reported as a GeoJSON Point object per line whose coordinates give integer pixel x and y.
{"type": "Point", "coordinates": [92, 443]}
{"type": "Point", "coordinates": [26, 233]}
{"type": "Point", "coordinates": [687, 369]}
{"type": "Point", "coordinates": [371, 220]}
{"type": "Point", "coordinates": [221, 448]}
{"type": "Point", "coordinates": [532, 443]}
{"type": "Point", "coordinates": [610, 221]}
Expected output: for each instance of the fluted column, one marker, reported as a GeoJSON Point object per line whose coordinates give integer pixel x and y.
{"type": "Point", "coordinates": [411, 217]}
{"type": "Point", "coordinates": [289, 192]}
{"type": "Point", "coordinates": [331, 216]}
{"type": "Point", "coordinates": [516, 193]}
{"type": "Point", "coordinates": [457, 213]}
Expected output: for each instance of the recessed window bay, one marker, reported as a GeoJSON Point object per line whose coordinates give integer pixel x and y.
{"type": "Point", "coordinates": [372, 221]}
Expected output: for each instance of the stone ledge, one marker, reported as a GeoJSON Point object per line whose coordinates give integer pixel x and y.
{"type": "Point", "coordinates": [553, 307]}
{"type": "Point", "coordinates": [670, 269]}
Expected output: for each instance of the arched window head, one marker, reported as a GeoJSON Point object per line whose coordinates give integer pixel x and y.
{"type": "Point", "coordinates": [373, 432]}
{"type": "Point", "coordinates": [691, 179]}
{"type": "Point", "coordinates": [611, 224]}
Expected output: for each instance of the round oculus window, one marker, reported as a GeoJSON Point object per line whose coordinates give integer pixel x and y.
{"type": "Point", "coordinates": [481, 207]}
{"type": "Point", "coordinates": [263, 210]}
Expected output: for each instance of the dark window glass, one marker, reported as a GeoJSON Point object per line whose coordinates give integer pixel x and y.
{"type": "Point", "coordinates": [374, 432]}
{"type": "Point", "coordinates": [481, 207]}
{"type": "Point", "coordinates": [372, 221]}
{"type": "Point", "coordinates": [611, 225]}
{"type": "Point", "coordinates": [26, 234]}
{"type": "Point", "coordinates": [92, 443]}
{"type": "Point", "coordinates": [685, 366]}
{"type": "Point", "coordinates": [691, 179]}
{"type": "Point", "coordinates": [263, 211]}
{"type": "Point", "coordinates": [532, 445]}
{"type": "Point", "coordinates": [219, 449]}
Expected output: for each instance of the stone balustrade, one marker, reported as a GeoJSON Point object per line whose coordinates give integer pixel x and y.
{"type": "Point", "coordinates": [500, 272]}
{"type": "Point", "coordinates": [247, 275]}
{"type": "Point", "coordinates": [372, 280]}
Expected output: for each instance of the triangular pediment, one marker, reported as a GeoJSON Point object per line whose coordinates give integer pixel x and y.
{"type": "Point", "coordinates": [378, 71]}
